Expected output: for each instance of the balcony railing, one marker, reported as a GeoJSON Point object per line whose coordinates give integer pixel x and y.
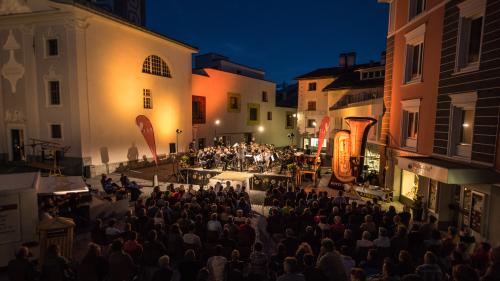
{"type": "Point", "coordinates": [349, 99]}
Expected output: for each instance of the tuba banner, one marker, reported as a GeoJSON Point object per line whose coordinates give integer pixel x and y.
{"type": "Point", "coordinates": [149, 135]}
{"type": "Point", "coordinates": [349, 148]}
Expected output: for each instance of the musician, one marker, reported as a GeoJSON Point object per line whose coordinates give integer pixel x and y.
{"type": "Point", "coordinates": [308, 150]}
{"type": "Point", "coordinates": [240, 154]}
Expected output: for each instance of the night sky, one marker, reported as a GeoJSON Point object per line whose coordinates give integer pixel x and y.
{"type": "Point", "coordinates": [286, 38]}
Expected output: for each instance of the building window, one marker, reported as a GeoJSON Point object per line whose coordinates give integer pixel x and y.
{"type": "Point", "coordinates": [253, 111]}
{"type": "Point", "coordinates": [289, 120]}
{"type": "Point", "coordinates": [414, 54]}
{"type": "Point", "coordinates": [410, 126]}
{"type": "Point", "coordinates": [201, 143]}
{"type": "Point", "coordinates": [311, 123]}
{"type": "Point", "coordinates": [55, 131]}
{"type": "Point", "coordinates": [156, 66]}
{"type": "Point", "coordinates": [470, 34]}
{"type": "Point", "coordinates": [52, 47]}
{"type": "Point", "coordinates": [264, 96]}
{"type": "Point", "coordinates": [462, 124]}
{"type": "Point", "coordinates": [54, 93]}
{"type": "Point", "coordinates": [269, 115]}
{"type": "Point", "coordinates": [311, 105]}
{"type": "Point", "coordinates": [147, 98]}
{"type": "Point", "coordinates": [233, 102]}
{"type": "Point", "coordinates": [199, 109]}
{"type": "Point", "coordinates": [416, 8]}
{"type": "Point", "coordinates": [312, 86]}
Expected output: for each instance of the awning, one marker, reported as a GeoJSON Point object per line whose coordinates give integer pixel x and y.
{"type": "Point", "coordinates": [61, 185]}
{"type": "Point", "coordinates": [447, 171]}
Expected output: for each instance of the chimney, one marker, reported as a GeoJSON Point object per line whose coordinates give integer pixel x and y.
{"type": "Point", "coordinates": [347, 59]}
{"type": "Point", "coordinates": [382, 58]}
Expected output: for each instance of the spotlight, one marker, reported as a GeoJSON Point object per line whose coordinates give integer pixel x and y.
{"type": "Point", "coordinates": [178, 131]}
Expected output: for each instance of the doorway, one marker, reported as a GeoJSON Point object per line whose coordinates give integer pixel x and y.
{"type": "Point", "coordinates": [17, 144]}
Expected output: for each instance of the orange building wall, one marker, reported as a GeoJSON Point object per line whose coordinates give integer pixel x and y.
{"type": "Point", "coordinates": [426, 90]}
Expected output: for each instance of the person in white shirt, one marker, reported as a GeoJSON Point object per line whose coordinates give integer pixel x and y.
{"type": "Point", "coordinates": [112, 230]}
{"type": "Point", "coordinates": [382, 241]}
{"type": "Point", "coordinates": [365, 241]}
{"type": "Point", "coordinates": [216, 265]}
{"type": "Point", "coordinates": [191, 239]}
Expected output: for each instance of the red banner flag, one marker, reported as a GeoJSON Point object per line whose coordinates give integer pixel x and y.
{"type": "Point", "coordinates": [149, 135]}
{"type": "Point", "coordinates": [323, 131]}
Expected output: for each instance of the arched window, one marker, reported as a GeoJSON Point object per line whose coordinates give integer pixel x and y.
{"type": "Point", "coordinates": [156, 66]}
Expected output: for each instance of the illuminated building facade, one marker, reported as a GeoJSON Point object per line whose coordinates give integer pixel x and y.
{"type": "Point", "coordinates": [76, 76]}
{"type": "Point", "coordinates": [345, 91]}
{"type": "Point", "coordinates": [359, 93]}
{"type": "Point", "coordinates": [236, 104]}
{"type": "Point", "coordinates": [441, 122]}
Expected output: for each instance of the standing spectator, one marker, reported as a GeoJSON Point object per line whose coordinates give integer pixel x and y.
{"type": "Point", "coordinates": [258, 264]}
{"type": "Point", "coordinates": [348, 262]}
{"type": "Point", "coordinates": [464, 272]}
{"type": "Point", "coordinates": [430, 270]}
{"type": "Point", "coordinates": [165, 272]}
{"type": "Point", "coordinates": [311, 272]}
{"type": "Point", "coordinates": [216, 265]}
{"type": "Point", "coordinates": [93, 267]}
{"type": "Point", "coordinates": [493, 271]}
{"type": "Point", "coordinates": [235, 267]}
{"type": "Point", "coordinates": [188, 267]}
{"type": "Point", "coordinates": [405, 265]}
{"type": "Point", "coordinates": [291, 272]}
{"type": "Point", "coordinates": [330, 263]}
{"type": "Point", "coordinates": [121, 265]}
{"type": "Point", "coordinates": [55, 267]}
{"type": "Point", "coordinates": [20, 268]}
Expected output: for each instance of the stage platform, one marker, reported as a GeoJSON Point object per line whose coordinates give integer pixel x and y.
{"type": "Point", "coordinates": [256, 181]}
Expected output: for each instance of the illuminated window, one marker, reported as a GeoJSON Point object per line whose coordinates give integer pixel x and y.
{"type": "Point", "coordinates": [410, 126]}
{"type": "Point", "coordinates": [52, 47]}
{"type": "Point", "coordinates": [311, 123]}
{"type": "Point", "coordinates": [54, 93]}
{"type": "Point", "coordinates": [199, 109]}
{"type": "Point", "coordinates": [416, 8]}
{"type": "Point", "coordinates": [233, 102]}
{"type": "Point", "coordinates": [56, 131]}
{"type": "Point", "coordinates": [264, 96]}
{"type": "Point", "coordinates": [462, 124]}
{"type": "Point", "coordinates": [311, 105]}
{"type": "Point", "coordinates": [311, 86]}
{"type": "Point", "coordinates": [156, 66]}
{"type": "Point", "coordinates": [253, 113]}
{"type": "Point", "coordinates": [147, 98]}
{"type": "Point", "coordinates": [414, 54]}
{"type": "Point", "coordinates": [470, 34]}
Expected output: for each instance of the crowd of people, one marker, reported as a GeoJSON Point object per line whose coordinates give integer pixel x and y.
{"type": "Point", "coordinates": [212, 234]}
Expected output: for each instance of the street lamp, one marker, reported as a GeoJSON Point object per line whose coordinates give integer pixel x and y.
{"type": "Point", "coordinates": [261, 130]}
{"type": "Point", "coordinates": [217, 122]}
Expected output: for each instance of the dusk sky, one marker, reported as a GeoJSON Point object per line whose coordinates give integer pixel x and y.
{"type": "Point", "coordinates": [285, 38]}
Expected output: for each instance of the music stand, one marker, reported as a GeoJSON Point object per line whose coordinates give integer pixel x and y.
{"type": "Point", "coordinates": [175, 164]}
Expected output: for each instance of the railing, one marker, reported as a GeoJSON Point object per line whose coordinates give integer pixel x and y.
{"type": "Point", "coordinates": [348, 99]}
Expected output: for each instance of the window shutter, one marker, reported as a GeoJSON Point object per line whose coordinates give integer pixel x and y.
{"type": "Point", "coordinates": [464, 40]}
{"type": "Point", "coordinates": [404, 128]}
{"type": "Point", "coordinates": [409, 62]}
{"type": "Point", "coordinates": [456, 129]}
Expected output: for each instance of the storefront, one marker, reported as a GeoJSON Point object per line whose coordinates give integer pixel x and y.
{"type": "Point", "coordinates": [456, 194]}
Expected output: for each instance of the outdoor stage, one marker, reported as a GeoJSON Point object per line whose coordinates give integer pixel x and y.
{"type": "Point", "coordinates": [253, 181]}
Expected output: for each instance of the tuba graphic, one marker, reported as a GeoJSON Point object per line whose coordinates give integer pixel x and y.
{"type": "Point", "coordinates": [349, 148]}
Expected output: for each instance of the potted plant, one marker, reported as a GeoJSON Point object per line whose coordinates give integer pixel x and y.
{"type": "Point", "coordinates": [418, 208]}
{"type": "Point", "coordinates": [292, 168]}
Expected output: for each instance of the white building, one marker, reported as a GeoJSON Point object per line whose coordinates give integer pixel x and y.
{"type": "Point", "coordinates": [78, 77]}
{"type": "Point", "coordinates": [241, 100]}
